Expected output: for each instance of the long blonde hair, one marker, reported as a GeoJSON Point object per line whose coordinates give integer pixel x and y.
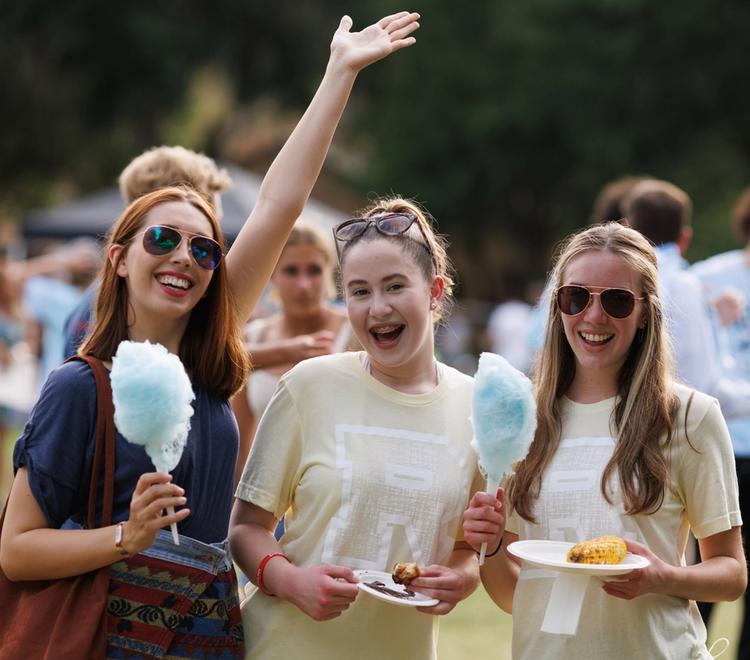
{"type": "Point", "coordinates": [646, 407]}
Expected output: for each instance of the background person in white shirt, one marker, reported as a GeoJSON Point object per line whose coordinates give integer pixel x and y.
{"type": "Point", "coordinates": [662, 213]}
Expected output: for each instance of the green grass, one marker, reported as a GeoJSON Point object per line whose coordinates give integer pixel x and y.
{"type": "Point", "coordinates": [475, 629]}
{"type": "Point", "coordinates": [478, 629]}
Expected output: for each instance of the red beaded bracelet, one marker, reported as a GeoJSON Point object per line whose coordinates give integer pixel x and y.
{"type": "Point", "coordinates": [262, 567]}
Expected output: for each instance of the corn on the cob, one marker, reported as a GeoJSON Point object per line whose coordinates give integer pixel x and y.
{"type": "Point", "coordinates": [601, 550]}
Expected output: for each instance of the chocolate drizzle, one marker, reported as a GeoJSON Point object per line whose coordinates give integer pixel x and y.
{"type": "Point", "coordinates": [406, 594]}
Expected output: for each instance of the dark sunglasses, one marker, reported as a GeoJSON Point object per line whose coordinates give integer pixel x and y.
{"type": "Point", "coordinates": [574, 300]}
{"type": "Point", "coordinates": [390, 224]}
{"type": "Point", "coordinates": [159, 240]}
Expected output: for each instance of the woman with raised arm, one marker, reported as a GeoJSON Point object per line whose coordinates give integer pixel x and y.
{"type": "Point", "coordinates": [368, 454]}
{"type": "Point", "coordinates": [167, 280]}
{"type": "Point", "coordinates": [620, 449]}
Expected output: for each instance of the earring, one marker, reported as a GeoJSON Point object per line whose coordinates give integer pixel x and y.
{"type": "Point", "coordinates": [433, 305]}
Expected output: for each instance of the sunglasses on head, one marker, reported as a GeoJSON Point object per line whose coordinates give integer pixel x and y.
{"type": "Point", "coordinates": [573, 300]}
{"type": "Point", "coordinates": [159, 241]}
{"type": "Point", "coordinates": [389, 224]}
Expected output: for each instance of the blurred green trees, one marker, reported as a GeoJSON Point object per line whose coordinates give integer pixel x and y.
{"type": "Point", "coordinates": [505, 119]}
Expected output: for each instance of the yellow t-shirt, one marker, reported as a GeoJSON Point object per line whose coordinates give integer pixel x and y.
{"type": "Point", "coordinates": [367, 477]}
{"type": "Point", "coordinates": [702, 496]}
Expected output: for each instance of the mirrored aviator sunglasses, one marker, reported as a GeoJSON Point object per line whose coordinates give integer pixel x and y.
{"type": "Point", "coordinates": [573, 300]}
{"type": "Point", "coordinates": [160, 241]}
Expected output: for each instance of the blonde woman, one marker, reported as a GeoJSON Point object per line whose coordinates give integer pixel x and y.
{"type": "Point", "coordinates": [620, 448]}
{"type": "Point", "coordinates": [306, 325]}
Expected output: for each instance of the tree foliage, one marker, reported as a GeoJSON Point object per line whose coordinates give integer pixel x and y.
{"type": "Point", "coordinates": [505, 119]}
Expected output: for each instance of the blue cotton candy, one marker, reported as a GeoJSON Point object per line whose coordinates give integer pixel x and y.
{"type": "Point", "coordinates": [152, 394]}
{"type": "Point", "coordinates": [503, 415]}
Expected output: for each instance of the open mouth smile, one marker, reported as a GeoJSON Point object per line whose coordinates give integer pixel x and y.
{"type": "Point", "coordinates": [173, 284]}
{"type": "Point", "coordinates": [595, 339]}
{"type": "Point", "coordinates": [387, 335]}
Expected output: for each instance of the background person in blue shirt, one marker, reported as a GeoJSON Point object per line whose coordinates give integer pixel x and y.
{"type": "Point", "coordinates": [730, 272]}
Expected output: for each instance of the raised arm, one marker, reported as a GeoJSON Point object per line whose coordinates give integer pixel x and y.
{"type": "Point", "coordinates": [291, 177]}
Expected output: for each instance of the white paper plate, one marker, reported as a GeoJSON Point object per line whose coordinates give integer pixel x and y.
{"type": "Point", "coordinates": [381, 585]}
{"type": "Point", "coordinates": [551, 554]}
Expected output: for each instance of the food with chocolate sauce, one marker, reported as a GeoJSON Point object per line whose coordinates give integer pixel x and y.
{"type": "Point", "coordinates": [601, 550]}
{"type": "Point", "coordinates": [405, 572]}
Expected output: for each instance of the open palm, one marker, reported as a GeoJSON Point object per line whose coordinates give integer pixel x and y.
{"type": "Point", "coordinates": [359, 49]}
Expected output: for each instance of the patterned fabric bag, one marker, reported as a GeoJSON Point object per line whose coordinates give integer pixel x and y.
{"type": "Point", "coordinates": [174, 602]}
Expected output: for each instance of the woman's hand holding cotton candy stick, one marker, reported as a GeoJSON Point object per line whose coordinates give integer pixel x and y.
{"type": "Point", "coordinates": [484, 520]}
{"type": "Point", "coordinates": [153, 493]}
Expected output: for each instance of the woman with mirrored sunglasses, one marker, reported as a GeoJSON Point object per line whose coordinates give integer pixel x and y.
{"type": "Point", "coordinates": [369, 453]}
{"type": "Point", "coordinates": [167, 280]}
{"type": "Point", "coordinates": [621, 448]}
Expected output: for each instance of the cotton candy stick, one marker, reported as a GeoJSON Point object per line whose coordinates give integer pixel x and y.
{"type": "Point", "coordinates": [152, 393]}
{"type": "Point", "coordinates": [504, 419]}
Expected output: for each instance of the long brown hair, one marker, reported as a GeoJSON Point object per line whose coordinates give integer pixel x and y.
{"type": "Point", "coordinates": [211, 348]}
{"type": "Point", "coordinates": [646, 408]}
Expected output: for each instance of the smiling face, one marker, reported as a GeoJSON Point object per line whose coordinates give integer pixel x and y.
{"type": "Point", "coordinates": [600, 342]}
{"type": "Point", "coordinates": [169, 286]}
{"type": "Point", "coordinates": [389, 303]}
{"type": "Point", "coordinates": [301, 277]}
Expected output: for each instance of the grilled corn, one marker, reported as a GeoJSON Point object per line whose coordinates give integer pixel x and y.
{"type": "Point", "coordinates": [601, 550]}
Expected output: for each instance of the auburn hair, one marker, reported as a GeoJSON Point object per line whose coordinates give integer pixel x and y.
{"type": "Point", "coordinates": [211, 347]}
{"type": "Point", "coordinates": [646, 408]}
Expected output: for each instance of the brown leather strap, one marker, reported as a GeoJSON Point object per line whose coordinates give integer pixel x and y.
{"type": "Point", "coordinates": [105, 443]}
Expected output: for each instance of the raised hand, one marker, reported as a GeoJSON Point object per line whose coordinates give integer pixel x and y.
{"type": "Point", "coordinates": [153, 494]}
{"type": "Point", "coordinates": [484, 520]}
{"type": "Point", "coordinates": [356, 50]}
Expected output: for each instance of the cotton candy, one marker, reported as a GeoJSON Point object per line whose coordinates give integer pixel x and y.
{"type": "Point", "coordinates": [504, 419]}
{"type": "Point", "coordinates": [503, 415]}
{"type": "Point", "coordinates": [152, 394]}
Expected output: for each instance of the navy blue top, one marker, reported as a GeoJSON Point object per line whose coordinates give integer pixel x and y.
{"type": "Point", "coordinates": [57, 449]}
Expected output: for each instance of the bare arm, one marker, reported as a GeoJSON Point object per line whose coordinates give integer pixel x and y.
{"type": "Point", "coordinates": [31, 550]}
{"type": "Point", "coordinates": [484, 522]}
{"type": "Point", "coordinates": [321, 592]}
{"type": "Point", "coordinates": [720, 575]}
{"type": "Point", "coordinates": [290, 179]}
{"type": "Point", "coordinates": [500, 574]}
{"type": "Point", "coordinates": [246, 424]}
{"type": "Point", "coordinates": [274, 352]}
